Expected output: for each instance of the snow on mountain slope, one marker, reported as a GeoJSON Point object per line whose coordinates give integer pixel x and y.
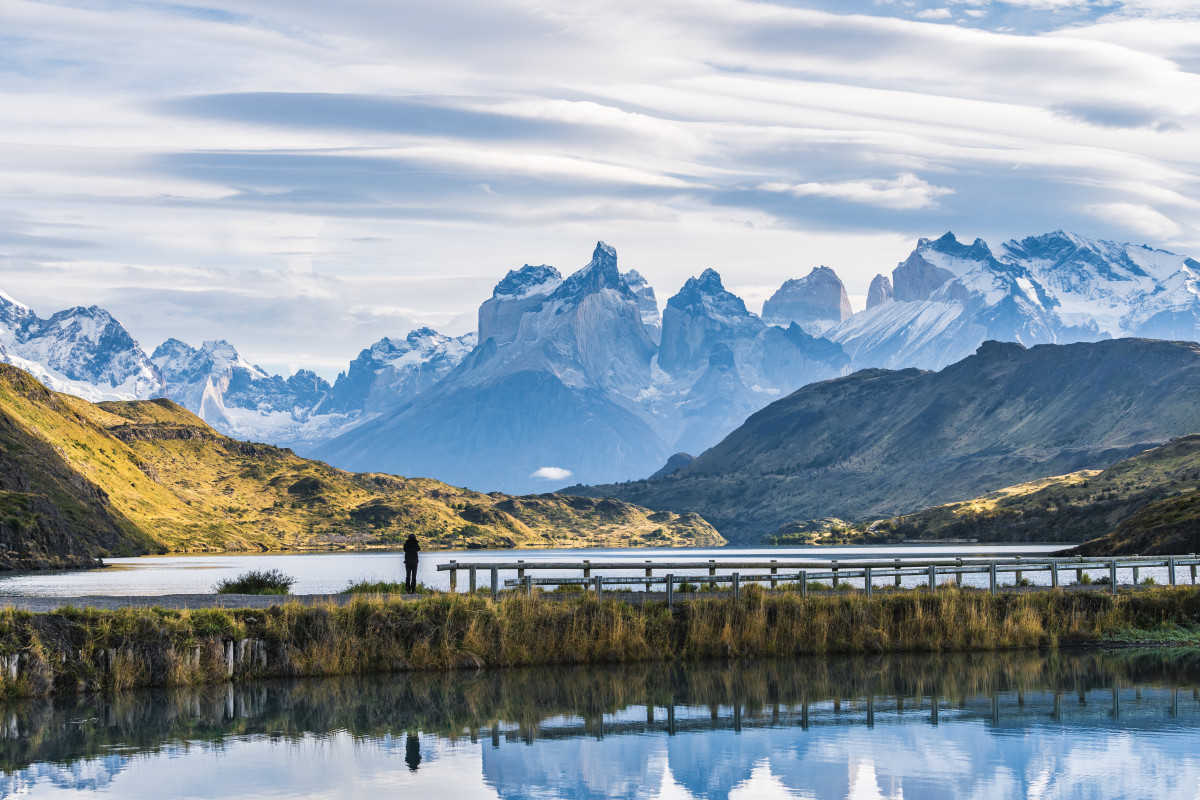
{"type": "Point", "coordinates": [83, 351]}
{"type": "Point", "coordinates": [1124, 289]}
{"type": "Point", "coordinates": [948, 298]}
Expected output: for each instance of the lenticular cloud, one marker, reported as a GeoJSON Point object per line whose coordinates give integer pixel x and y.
{"type": "Point", "coordinates": [552, 474]}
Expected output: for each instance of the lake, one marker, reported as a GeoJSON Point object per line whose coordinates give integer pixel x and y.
{"type": "Point", "coordinates": [326, 573]}
{"type": "Point", "coordinates": [1117, 724]}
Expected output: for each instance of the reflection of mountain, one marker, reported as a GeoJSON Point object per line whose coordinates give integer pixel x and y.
{"type": "Point", "coordinates": [1009, 725]}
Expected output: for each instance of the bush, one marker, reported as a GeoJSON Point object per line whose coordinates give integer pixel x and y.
{"type": "Point", "coordinates": [270, 581]}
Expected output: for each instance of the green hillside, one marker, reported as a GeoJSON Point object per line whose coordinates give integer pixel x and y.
{"type": "Point", "coordinates": [79, 480]}
{"type": "Point", "coordinates": [1065, 508]}
{"type": "Point", "coordinates": [884, 443]}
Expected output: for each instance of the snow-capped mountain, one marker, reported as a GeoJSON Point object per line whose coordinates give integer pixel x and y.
{"type": "Point", "coordinates": [572, 375]}
{"type": "Point", "coordinates": [393, 371]}
{"type": "Point", "coordinates": [1121, 289]}
{"type": "Point", "coordinates": [816, 302]}
{"type": "Point", "coordinates": [83, 351]}
{"type": "Point", "coordinates": [243, 400]}
{"type": "Point", "coordinates": [948, 297]}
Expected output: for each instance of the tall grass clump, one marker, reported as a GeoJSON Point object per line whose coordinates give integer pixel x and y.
{"type": "Point", "coordinates": [269, 581]}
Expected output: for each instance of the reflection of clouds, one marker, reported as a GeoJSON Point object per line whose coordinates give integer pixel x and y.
{"type": "Point", "coordinates": [954, 760]}
{"type": "Point", "coordinates": [89, 774]}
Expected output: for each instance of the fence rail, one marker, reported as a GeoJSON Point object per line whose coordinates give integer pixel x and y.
{"type": "Point", "coordinates": [802, 573]}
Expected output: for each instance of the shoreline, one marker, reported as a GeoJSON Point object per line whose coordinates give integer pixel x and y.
{"type": "Point", "coordinates": [78, 649]}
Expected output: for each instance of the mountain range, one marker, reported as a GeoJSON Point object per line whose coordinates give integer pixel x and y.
{"type": "Point", "coordinates": [882, 443]}
{"type": "Point", "coordinates": [579, 377]}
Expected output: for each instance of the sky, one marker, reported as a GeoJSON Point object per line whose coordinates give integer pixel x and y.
{"type": "Point", "coordinates": [302, 178]}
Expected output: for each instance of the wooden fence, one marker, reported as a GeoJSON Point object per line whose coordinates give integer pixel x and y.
{"type": "Point", "coordinates": [670, 576]}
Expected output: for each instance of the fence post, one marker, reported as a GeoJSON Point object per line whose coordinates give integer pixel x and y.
{"type": "Point", "coordinates": [495, 583]}
{"type": "Point", "coordinates": [587, 568]}
{"type": "Point", "coordinates": [471, 575]}
{"type": "Point", "coordinates": [453, 577]}
{"type": "Point", "coordinates": [599, 580]}
{"type": "Point", "coordinates": [529, 586]}
{"type": "Point", "coordinates": [992, 575]}
{"type": "Point", "coordinates": [1017, 574]}
{"type": "Point", "coordinates": [932, 578]}
{"type": "Point", "coordinates": [1112, 574]}
{"type": "Point", "coordinates": [712, 571]}
{"type": "Point", "coordinates": [867, 580]}
{"type": "Point", "coordinates": [520, 571]}
{"type": "Point", "coordinates": [774, 571]}
{"type": "Point", "coordinates": [804, 583]}
{"type": "Point", "coordinates": [1171, 561]}
{"type": "Point", "coordinates": [897, 573]}
{"type": "Point", "coordinates": [649, 573]}
{"type": "Point", "coordinates": [737, 586]}
{"type": "Point", "coordinates": [1079, 572]}
{"type": "Point", "coordinates": [670, 590]}
{"type": "Point", "coordinates": [1136, 574]}
{"type": "Point", "coordinates": [1193, 555]}
{"type": "Point", "coordinates": [1054, 574]}
{"type": "Point", "coordinates": [958, 573]}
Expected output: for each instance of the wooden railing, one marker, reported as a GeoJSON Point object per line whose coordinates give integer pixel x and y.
{"type": "Point", "coordinates": [674, 574]}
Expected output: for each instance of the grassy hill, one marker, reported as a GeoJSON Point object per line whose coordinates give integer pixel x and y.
{"type": "Point", "coordinates": [1146, 504]}
{"type": "Point", "coordinates": [80, 479]}
{"type": "Point", "coordinates": [882, 443]}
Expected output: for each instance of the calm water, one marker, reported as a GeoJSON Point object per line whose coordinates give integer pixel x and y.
{"type": "Point", "coordinates": [324, 573]}
{"type": "Point", "coordinates": [1080, 725]}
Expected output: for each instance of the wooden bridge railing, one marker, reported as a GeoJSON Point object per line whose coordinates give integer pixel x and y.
{"type": "Point", "coordinates": [674, 574]}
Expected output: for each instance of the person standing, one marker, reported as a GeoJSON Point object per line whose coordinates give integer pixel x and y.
{"type": "Point", "coordinates": [411, 548]}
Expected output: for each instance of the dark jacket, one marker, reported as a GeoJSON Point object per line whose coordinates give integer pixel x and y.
{"type": "Point", "coordinates": [411, 548]}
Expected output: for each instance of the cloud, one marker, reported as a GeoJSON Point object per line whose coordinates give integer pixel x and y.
{"type": "Point", "coordinates": [326, 174]}
{"type": "Point", "coordinates": [904, 192]}
{"type": "Point", "coordinates": [1116, 115]}
{"type": "Point", "coordinates": [1137, 219]}
{"type": "Point", "coordinates": [551, 474]}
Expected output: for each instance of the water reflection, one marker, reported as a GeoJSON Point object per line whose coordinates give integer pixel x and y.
{"type": "Point", "coordinates": [1118, 724]}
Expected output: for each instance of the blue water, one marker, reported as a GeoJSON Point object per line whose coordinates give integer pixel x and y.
{"type": "Point", "coordinates": [1071, 725]}
{"type": "Point", "coordinates": [324, 573]}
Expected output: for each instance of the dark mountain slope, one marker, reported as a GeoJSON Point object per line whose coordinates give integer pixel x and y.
{"type": "Point", "coordinates": [882, 443]}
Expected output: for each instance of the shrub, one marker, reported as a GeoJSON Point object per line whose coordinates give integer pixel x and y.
{"type": "Point", "coordinates": [270, 581]}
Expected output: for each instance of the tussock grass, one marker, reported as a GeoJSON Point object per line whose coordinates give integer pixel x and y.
{"type": "Point", "coordinates": [382, 587]}
{"type": "Point", "coordinates": [267, 581]}
{"type": "Point", "coordinates": [83, 649]}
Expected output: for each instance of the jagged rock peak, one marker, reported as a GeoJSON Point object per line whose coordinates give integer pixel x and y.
{"type": "Point", "coordinates": [647, 302]}
{"type": "Point", "coordinates": [528, 281]}
{"type": "Point", "coordinates": [951, 246]}
{"type": "Point", "coordinates": [13, 312]}
{"type": "Point", "coordinates": [880, 291]}
{"type": "Point", "coordinates": [816, 302]}
{"type": "Point", "coordinates": [598, 274]}
{"type": "Point", "coordinates": [707, 290]}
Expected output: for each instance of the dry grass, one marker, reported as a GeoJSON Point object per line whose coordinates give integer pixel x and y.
{"type": "Point", "coordinates": [84, 649]}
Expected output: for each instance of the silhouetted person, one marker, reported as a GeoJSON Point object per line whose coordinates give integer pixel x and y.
{"type": "Point", "coordinates": [412, 749]}
{"type": "Point", "coordinates": [411, 548]}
